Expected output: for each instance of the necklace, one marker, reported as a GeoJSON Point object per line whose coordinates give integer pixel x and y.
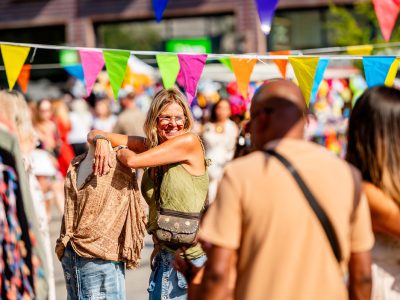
{"type": "Point", "coordinates": [219, 128]}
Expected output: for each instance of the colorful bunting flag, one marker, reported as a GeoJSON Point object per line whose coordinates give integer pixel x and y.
{"type": "Point", "coordinates": [226, 61]}
{"type": "Point", "coordinates": [360, 50]}
{"type": "Point", "coordinates": [266, 11]}
{"type": "Point", "coordinates": [376, 69]}
{"type": "Point", "coordinates": [169, 69]}
{"type": "Point", "coordinates": [243, 68]}
{"type": "Point", "coordinates": [159, 7]}
{"type": "Point", "coordinates": [281, 63]}
{"type": "Point", "coordinates": [116, 62]}
{"type": "Point", "coordinates": [305, 69]}
{"type": "Point", "coordinates": [75, 71]}
{"type": "Point", "coordinates": [190, 72]}
{"type": "Point", "coordinates": [386, 13]}
{"type": "Point", "coordinates": [23, 78]}
{"type": "Point", "coordinates": [319, 75]}
{"type": "Point", "coordinates": [392, 73]}
{"type": "Point", "coordinates": [92, 63]}
{"type": "Point", "coordinates": [14, 58]}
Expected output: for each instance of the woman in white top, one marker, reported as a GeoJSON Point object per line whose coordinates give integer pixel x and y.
{"type": "Point", "coordinates": [219, 137]}
{"type": "Point", "coordinates": [374, 148]}
{"type": "Point", "coordinates": [104, 119]}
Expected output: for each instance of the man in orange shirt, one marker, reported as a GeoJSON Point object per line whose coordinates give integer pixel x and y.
{"type": "Point", "coordinates": [261, 217]}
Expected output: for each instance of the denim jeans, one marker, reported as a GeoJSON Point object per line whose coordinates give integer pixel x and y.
{"type": "Point", "coordinates": [165, 282]}
{"type": "Point", "coordinates": [90, 279]}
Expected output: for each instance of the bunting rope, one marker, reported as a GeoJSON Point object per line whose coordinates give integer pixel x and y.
{"type": "Point", "coordinates": [214, 56]}
{"type": "Point", "coordinates": [186, 68]}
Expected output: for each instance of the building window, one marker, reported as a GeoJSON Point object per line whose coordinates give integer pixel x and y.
{"type": "Point", "coordinates": [298, 29]}
{"type": "Point", "coordinates": [148, 35]}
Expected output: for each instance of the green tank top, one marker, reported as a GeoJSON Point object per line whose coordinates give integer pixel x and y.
{"type": "Point", "coordinates": [180, 191]}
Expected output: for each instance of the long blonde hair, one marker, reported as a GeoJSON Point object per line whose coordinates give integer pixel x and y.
{"type": "Point", "coordinates": [160, 101]}
{"type": "Point", "coordinates": [18, 113]}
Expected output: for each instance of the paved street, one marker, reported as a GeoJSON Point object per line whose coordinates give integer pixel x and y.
{"type": "Point", "coordinates": [136, 280]}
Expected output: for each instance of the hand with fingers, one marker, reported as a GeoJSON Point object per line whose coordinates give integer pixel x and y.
{"type": "Point", "coordinates": [183, 265]}
{"type": "Point", "coordinates": [102, 158]}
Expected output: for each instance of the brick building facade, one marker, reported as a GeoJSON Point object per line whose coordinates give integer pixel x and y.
{"type": "Point", "coordinates": [78, 18]}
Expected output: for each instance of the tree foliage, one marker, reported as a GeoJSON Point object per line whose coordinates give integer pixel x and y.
{"type": "Point", "coordinates": [357, 25]}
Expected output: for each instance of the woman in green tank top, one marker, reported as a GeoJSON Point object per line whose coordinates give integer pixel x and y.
{"type": "Point", "coordinates": [179, 154]}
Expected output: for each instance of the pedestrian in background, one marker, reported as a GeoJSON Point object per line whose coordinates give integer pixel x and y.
{"type": "Point", "coordinates": [131, 120]}
{"type": "Point", "coordinates": [219, 136]}
{"type": "Point", "coordinates": [374, 148]}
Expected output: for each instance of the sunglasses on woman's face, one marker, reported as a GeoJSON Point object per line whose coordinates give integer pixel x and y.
{"type": "Point", "coordinates": [165, 119]}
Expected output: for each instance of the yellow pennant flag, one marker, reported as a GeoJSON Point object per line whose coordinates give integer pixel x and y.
{"type": "Point", "coordinates": [392, 73]}
{"type": "Point", "coordinates": [242, 68]}
{"type": "Point", "coordinates": [362, 50]}
{"type": "Point", "coordinates": [305, 68]}
{"type": "Point", "coordinates": [14, 58]}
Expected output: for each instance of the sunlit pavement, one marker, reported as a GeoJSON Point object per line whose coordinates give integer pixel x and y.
{"type": "Point", "coordinates": [136, 280]}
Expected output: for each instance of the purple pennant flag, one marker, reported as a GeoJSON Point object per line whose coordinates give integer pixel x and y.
{"type": "Point", "coordinates": [190, 72]}
{"type": "Point", "coordinates": [159, 7]}
{"type": "Point", "coordinates": [266, 11]}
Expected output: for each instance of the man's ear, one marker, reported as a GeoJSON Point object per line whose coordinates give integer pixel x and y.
{"type": "Point", "coordinates": [264, 119]}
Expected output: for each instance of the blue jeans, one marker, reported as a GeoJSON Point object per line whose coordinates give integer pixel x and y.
{"type": "Point", "coordinates": [89, 279]}
{"type": "Point", "coordinates": [165, 282]}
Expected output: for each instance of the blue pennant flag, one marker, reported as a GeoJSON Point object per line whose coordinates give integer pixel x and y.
{"type": "Point", "coordinates": [376, 69]}
{"type": "Point", "coordinates": [159, 7]}
{"type": "Point", "coordinates": [75, 71]}
{"type": "Point", "coordinates": [319, 75]}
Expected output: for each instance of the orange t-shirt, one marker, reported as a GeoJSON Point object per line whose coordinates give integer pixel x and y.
{"type": "Point", "coordinates": [283, 251]}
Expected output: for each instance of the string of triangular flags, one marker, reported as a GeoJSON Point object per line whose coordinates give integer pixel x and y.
{"type": "Point", "coordinates": [186, 69]}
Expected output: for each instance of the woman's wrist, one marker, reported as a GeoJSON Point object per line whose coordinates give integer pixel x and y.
{"type": "Point", "coordinates": [120, 147]}
{"type": "Point", "coordinates": [100, 137]}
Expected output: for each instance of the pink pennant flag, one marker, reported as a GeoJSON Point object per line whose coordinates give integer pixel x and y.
{"type": "Point", "coordinates": [386, 13]}
{"type": "Point", "coordinates": [189, 74]}
{"type": "Point", "coordinates": [92, 63]}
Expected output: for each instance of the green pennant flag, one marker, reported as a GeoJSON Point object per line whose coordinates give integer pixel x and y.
{"type": "Point", "coordinates": [305, 69]}
{"type": "Point", "coordinates": [116, 62]}
{"type": "Point", "coordinates": [227, 62]}
{"type": "Point", "coordinates": [169, 68]}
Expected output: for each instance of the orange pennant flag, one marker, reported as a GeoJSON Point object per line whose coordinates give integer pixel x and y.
{"type": "Point", "coordinates": [23, 78]}
{"type": "Point", "coordinates": [281, 63]}
{"type": "Point", "coordinates": [243, 68]}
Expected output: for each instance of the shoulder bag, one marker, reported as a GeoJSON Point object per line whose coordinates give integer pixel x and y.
{"type": "Point", "coordinates": [174, 228]}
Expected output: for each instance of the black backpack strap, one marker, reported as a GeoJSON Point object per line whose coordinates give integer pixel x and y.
{"type": "Point", "coordinates": [322, 217]}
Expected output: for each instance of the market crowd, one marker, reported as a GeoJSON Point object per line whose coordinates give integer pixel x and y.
{"type": "Point", "coordinates": [240, 204]}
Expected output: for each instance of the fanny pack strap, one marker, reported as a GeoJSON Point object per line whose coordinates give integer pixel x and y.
{"type": "Point", "coordinates": [312, 201]}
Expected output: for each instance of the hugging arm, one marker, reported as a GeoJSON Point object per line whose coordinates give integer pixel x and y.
{"type": "Point", "coordinates": [102, 153]}
{"type": "Point", "coordinates": [182, 148]}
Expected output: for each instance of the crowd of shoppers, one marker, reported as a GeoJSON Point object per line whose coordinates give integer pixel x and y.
{"type": "Point", "coordinates": [288, 220]}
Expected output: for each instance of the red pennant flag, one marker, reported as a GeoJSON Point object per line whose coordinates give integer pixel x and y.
{"type": "Point", "coordinates": [281, 63]}
{"type": "Point", "coordinates": [386, 12]}
{"type": "Point", "coordinates": [23, 79]}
